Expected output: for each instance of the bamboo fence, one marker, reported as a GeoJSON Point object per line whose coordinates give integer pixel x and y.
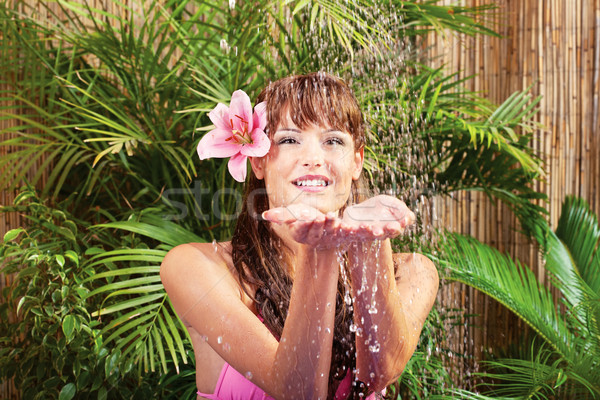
{"type": "Point", "coordinates": [552, 46]}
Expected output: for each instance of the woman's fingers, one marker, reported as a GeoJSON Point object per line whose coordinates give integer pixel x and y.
{"type": "Point", "coordinates": [292, 213]}
{"type": "Point", "coordinates": [383, 217]}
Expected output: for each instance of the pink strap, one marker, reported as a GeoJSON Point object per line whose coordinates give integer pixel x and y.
{"type": "Point", "coordinates": [215, 394]}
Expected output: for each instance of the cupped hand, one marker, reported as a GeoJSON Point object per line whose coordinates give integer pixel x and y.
{"type": "Point", "coordinates": [379, 217]}
{"type": "Point", "coordinates": [309, 226]}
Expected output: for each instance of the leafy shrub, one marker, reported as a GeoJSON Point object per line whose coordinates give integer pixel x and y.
{"type": "Point", "coordinates": [50, 344]}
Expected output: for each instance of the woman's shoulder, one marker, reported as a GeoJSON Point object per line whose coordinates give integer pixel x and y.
{"type": "Point", "coordinates": [415, 266]}
{"type": "Point", "coordinates": [201, 267]}
{"type": "Point", "coordinates": [215, 253]}
{"type": "Point", "coordinates": [191, 258]}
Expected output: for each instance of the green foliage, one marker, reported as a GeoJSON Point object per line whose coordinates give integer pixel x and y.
{"type": "Point", "coordinates": [51, 345]}
{"type": "Point", "coordinates": [452, 140]}
{"type": "Point", "coordinates": [568, 357]}
{"type": "Point", "coordinates": [426, 373]}
{"type": "Point", "coordinates": [144, 327]}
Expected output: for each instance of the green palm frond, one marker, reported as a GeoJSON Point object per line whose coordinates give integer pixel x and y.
{"type": "Point", "coordinates": [465, 394]}
{"type": "Point", "coordinates": [468, 261]}
{"type": "Point", "coordinates": [427, 15]}
{"type": "Point", "coordinates": [536, 378]}
{"type": "Point", "coordinates": [572, 257]}
{"type": "Point", "coordinates": [349, 24]}
{"type": "Point", "coordinates": [457, 141]}
{"type": "Point", "coordinates": [542, 376]}
{"type": "Point", "coordinates": [579, 230]}
{"type": "Point", "coordinates": [569, 331]}
{"type": "Point", "coordinates": [154, 227]}
{"type": "Point", "coordinates": [140, 324]}
{"type": "Point", "coordinates": [140, 321]}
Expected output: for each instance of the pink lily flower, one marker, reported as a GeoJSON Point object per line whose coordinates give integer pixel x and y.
{"type": "Point", "coordinates": [239, 133]}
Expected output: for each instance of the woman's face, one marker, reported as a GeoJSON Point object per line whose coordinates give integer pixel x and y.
{"type": "Point", "coordinates": [313, 166]}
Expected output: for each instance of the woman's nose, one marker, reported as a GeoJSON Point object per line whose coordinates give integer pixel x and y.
{"type": "Point", "coordinates": [312, 156]}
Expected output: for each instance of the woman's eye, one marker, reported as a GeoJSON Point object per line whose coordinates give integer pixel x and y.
{"type": "Point", "coordinates": [287, 140]}
{"type": "Point", "coordinates": [335, 141]}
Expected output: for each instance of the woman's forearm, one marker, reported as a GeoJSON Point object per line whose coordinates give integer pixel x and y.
{"type": "Point", "coordinates": [303, 357]}
{"type": "Point", "coordinates": [381, 336]}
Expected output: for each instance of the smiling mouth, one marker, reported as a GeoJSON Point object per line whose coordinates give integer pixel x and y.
{"type": "Point", "coordinates": [317, 182]}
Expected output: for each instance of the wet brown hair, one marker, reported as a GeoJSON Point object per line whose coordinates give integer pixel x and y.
{"type": "Point", "coordinates": [258, 254]}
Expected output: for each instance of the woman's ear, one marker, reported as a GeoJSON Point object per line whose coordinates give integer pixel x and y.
{"type": "Point", "coordinates": [359, 159]}
{"type": "Point", "coordinates": [258, 168]}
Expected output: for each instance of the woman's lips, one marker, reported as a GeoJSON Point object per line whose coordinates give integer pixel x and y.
{"type": "Point", "coordinates": [312, 183]}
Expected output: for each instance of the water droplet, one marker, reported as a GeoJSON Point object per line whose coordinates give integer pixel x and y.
{"type": "Point", "coordinates": [248, 375]}
{"type": "Point", "coordinates": [374, 348]}
{"type": "Point", "coordinates": [347, 298]}
{"type": "Point", "coordinates": [327, 330]}
{"type": "Point", "coordinates": [220, 340]}
{"type": "Point", "coordinates": [353, 327]}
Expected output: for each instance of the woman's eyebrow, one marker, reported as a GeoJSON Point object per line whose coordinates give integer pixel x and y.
{"type": "Point", "coordinates": [289, 129]}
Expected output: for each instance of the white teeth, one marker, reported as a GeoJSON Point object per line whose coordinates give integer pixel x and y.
{"type": "Point", "coordinates": [311, 182]}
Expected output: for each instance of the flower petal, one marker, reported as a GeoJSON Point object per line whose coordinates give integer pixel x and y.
{"type": "Point", "coordinates": [237, 167]}
{"type": "Point", "coordinates": [215, 144]}
{"type": "Point", "coordinates": [260, 144]}
{"type": "Point", "coordinates": [241, 109]}
{"type": "Point", "coordinates": [260, 116]}
{"type": "Point", "coordinates": [220, 117]}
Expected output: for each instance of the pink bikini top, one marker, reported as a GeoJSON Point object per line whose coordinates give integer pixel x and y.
{"type": "Point", "coordinates": [232, 385]}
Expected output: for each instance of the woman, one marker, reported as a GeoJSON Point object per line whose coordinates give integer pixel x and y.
{"type": "Point", "coordinates": [307, 301]}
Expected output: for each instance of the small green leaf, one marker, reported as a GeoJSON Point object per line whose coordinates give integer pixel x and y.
{"type": "Point", "coordinates": [64, 291]}
{"type": "Point", "coordinates": [94, 250]}
{"type": "Point", "coordinates": [66, 233]}
{"type": "Point", "coordinates": [102, 395]}
{"type": "Point", "coordinates": [68, 392]}
{"type": "Point", "coordinates": [23, 196]}
{"type": "Point", "coordinates": [70, 254]}
{"type": "Point", "coordinates": [60, 260]}
{"type": "Point", "coordinates": [300, 5]}
{"type": "Point", "coordinates": [68, 326]}
{"type": "Point", "coordinates": [110, 365]}
{"type": "Point", "coordinates": [83, 380]}
{"type": "Point", "coordinates": [12, 234]}
{"type": "Point", "coordinates": [49, 310]}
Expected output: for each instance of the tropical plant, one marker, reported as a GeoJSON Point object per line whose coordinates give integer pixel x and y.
{"type": "Point", "coordinates": [563, 361]}
{"type": "Point", "coordinates": [51, 346]}
{"type": "Point", "coordinates": [110, 103]}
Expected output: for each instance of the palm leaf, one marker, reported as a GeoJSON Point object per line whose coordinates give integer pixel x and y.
{"type": "Point", "coordinates": [151, 323]}
{"type": "Point", "coordinates": [156, 228]}
{"type": "Point", "coordinates": [151, 328]}
{"type": "Point", "coordinates": [572, 257]}
{"type": "Point", "coordinates": [579, 230]}
{"type": "Point", "coordinates": [486, 269]}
